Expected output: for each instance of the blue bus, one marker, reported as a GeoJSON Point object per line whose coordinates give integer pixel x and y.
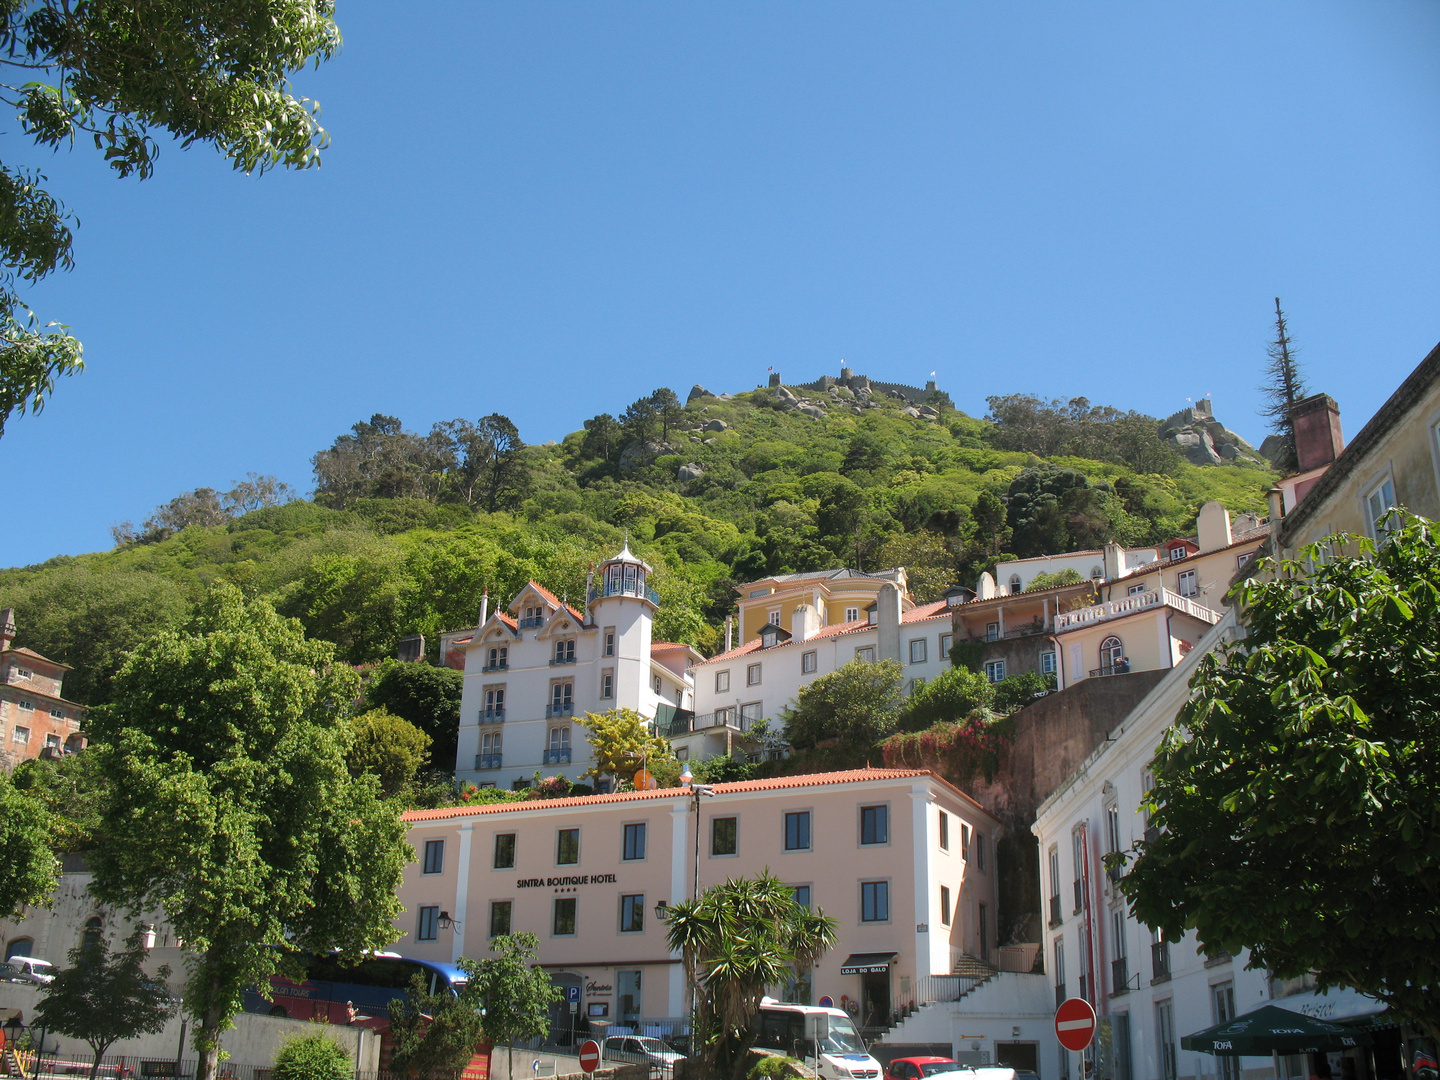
{"type": "Point", "coordinates": [331, 989]}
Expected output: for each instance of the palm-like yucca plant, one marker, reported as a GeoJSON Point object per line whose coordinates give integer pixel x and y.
{"type": "Point", "coordinates": [737, 939]}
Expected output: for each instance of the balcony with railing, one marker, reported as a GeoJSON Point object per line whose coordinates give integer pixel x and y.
{"type": "Point", "coordinates": [1055, 916]}
{"type": "Point", "coordinates": [671, 721]}
{"type": "Point", "coordinates": [559, 708]}
{"type": "Point", "coordinates": [568, 659]}
{"type": "Point", "coordinates": [1119, 976]}
{"type": "Point", "coordinates": [1079, 897]}
{"type": "Point", "coordinates": [499, 665]}
{"type": "Point", "coordinates": [683, 721]}
{"type": "Point", "coordinates": [1129, 605]}
{"type": "Point", "coordinates": [623, 588]}
{"type": "Point", "coordinates": [560, 756]}
{"type": "Point", "coordinates": [492, 716]}
{"type": "Point", "coordinates": [532, 622]}
{"type": "Point", "coordinates": [1160, 961]}
{"type": "Point", "coordinates": [487, 761]}
{"type": "Point", "coordinates": [933, 988]}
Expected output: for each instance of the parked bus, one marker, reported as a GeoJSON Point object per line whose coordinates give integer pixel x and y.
{"type": "Point", "coordinates": [330, 989]}
{"type": "Point", "coordinates": [825, 1038]}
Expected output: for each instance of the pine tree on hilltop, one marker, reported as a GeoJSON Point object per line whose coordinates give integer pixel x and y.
{"type": "Point", "coordinates": [1283, 388]}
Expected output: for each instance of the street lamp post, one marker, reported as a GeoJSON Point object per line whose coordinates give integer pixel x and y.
{"type": "Point", "coordinates": [662, 910]}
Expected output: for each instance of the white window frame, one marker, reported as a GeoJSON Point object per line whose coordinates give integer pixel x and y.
{"type": "Point", "coordinates": [607, 684]}
{"type": "Point", "coordinates": [922, 645]}
{"type": "Point", "coordinates": [609, 639]}
{"type": "Point", "coordinates": [852, 614]}
{"type": "Point", "coordinates": [865, 654]}
{"type": "Point", "coordinates": [1193, 580]}
{"type": "Point", "coordinates": [1378, 486]}
{"type": "Point", "coordinates": [947, 642]}
{"type": "Point", "coordinates": [752, 674]}
{"type": "Point", "coordinates": [1135, 590]}
{"type": "Point", "coordinates": [994, 670]}
{"type": "Point", "coordinates": [774, 617]}
{"type": "Point", "coordinates": [1048, 662]}
{"type": "Point", "coordinates": [722, 682]}
{"type": "Point", "coordinates": [809, 662]}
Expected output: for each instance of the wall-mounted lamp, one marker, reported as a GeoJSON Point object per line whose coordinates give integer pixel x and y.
{"type": "Point", "coordinates": [662, 911]}
{"type": "Point", "coordinates": [446, 922]}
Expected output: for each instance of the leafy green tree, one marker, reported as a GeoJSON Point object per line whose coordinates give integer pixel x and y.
{"type": "Point", "coordinates": [31, 870]}
{"type": "Point", "coordinates": [1284, 386]}
{"type": "Point", "coordinates": [516, 992]}
{"type": "Point", "coordinates": [736, 939]}
{"type": "Point", "coordinates": [435, 1033]}
{"type": "Point", "coordinates": [929, 565]}
{"type": "Point", "coordinates": [229, 806]}
{"type": "Point", "coordinates": [72, 790]}
{"type": "Point", "coordinates": [388, 748]}
{"type": "Point", "coordinates": [602, 439]}
{"type": "Point", "coordinates": [104, 996]}
{"type": "Point", "coordinates": [426, 696]}
{"type": "Point", "coordinates": [640, 421]}
{"type": "Point", "coordinates": [668, 410]}
{"type": "Point", "coordinates": [213, 71]}
{"type": "Point", "coordinates": [1045, 580]}
{"type": "Point", "coordinates": [724, 769]}
{"type": "Point", "coordinates": [991, 535]}
{"type": "Point", "coordinates": [1016, 691]}
{"type": "Point", "coordinates": [1295, 800]}
{"type": "Point", "coordinates": [857, 704]}
{"type": "Point", "coordinates": [621, 741]}
{"type": "Point", "coordinates": [380, 459]}
{"type": "Point", "coordinates": [952, 695]}
{"type": "Point", "coordinates": [312, 1057]}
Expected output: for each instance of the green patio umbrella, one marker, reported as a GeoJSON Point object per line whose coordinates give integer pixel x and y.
{"type": "Point", "coordinates": [1271, 1029]}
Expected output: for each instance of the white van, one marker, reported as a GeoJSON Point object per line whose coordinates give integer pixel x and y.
{"type": "Point", "coordinates": [825, 1038]}
{"type": "Point", "coordinates": [29, 970]}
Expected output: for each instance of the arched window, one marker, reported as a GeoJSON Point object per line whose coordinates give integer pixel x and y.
{"type": "Point", "coordinates": [21, 946]}
{"type": "Point", "coordinates": [1096, 573]}
{"type": "Point", "coordinates": [1014, 583]}
{"type": "Point", "coordinates": [1111, 650]}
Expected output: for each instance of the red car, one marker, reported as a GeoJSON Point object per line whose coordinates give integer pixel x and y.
{"type": "Point", "coordinates": [917, 1068]}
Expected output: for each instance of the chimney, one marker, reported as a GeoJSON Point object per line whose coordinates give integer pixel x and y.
{"type": "Point", "coordinates": [589, 584]}
{"type": "Point", "coordinates": [1318, 441]}
{"type": "Point", "coordinates": [804, 622]}
{"type": "Point", "coordinates": [1276, 498]}
{"type": "Point", "coordinates": [7, 628]}
{"type": "Point", "coordinates": [1114, 561]}
{"type": "Point", "coordinates": [729, 632]}
{"type": "Point", "coordinates": [888, 621]}
{"type": "Point", "coordinates": [1212, 528]}
{"type": "Point", "coordinates": [484, 609]}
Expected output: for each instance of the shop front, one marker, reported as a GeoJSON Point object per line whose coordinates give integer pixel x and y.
{"type": "Point", "coordinates": [873, 1009]}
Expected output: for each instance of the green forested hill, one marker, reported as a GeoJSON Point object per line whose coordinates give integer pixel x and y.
{"type": "Point", "coordinates": [405, 530]}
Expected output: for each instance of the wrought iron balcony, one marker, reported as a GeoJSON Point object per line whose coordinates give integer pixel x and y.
{"type": "Point", "coordinates": [563, 708]}
{"type": "Point", "coordinates": [620, 588]}
{"type": "Point", "coordinates": [533, 621]}
{"type": "Point", "coordinates": [1079, 897]}
{"type": "Point", "coordinates": [1160, 961]}
{"type": "Point", "coordinates": [501, 665]}
{"type": "Point", "coordinates": [492, 716]}
{"type": "Point", "coordinates": [1119, 975]}
{"type": "Point", "coordinates": [563, 660]}
{"type": "Point", "coordinates": [557, 757]}
{"type": "Point", "coordinates": [1055, 916]}
{"type": "Point", "coordinates": [670, 721]}
{"type": "Point", "coordinates": [487, 761]}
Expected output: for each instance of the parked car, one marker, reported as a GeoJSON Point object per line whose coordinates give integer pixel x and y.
{"type": "Point", "coordinates": [27, 969]}
{"type": "Point", "coordinates": [917, 1068]}
{"type": "Point", "coordinates": [638, 1050]}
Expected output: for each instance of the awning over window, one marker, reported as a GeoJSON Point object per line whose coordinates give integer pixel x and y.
{"type": "Point", "coordinates": [863, 963]}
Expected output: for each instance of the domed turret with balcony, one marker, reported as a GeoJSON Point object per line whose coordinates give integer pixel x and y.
{"type": "Point", "coordinates": [623, 575]}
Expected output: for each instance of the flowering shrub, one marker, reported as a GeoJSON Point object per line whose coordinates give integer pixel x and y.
{"type": "Point", "coordinates": [960, 748]}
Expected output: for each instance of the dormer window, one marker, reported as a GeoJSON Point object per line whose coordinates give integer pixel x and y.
{"type": "Point", "coordinates": [872, 614]}
{"type": "Point", "coordinates": [1014, 583]}
{"type": "Point", "coordinates": [534, 616]}
{"type": "Point", "coordinates": [1096, 573]}
{"type": "Point", "coordinates": [1177, 552]}
{"type": "Point", "coordinates": [772, 635]}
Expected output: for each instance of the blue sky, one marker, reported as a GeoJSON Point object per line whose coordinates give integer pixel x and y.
{"type": "Point", "coordinates": [549, 209]}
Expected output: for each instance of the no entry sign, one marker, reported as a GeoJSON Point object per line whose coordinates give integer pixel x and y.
{"type": "Point", "coordinates": [1074, 1023]}
{"type": "Point", "coordinates": [590, 1054]}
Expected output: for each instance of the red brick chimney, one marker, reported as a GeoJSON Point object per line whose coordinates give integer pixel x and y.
{"type": "Point", "coordinates": [1318, 441]}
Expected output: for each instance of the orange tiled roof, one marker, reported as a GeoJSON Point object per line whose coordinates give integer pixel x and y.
{"type": "Point", "coordinates": [33, 655]}
{"type": "Point", "coordinates": [550, 598]}
{"type": "Point", "coordinates": [666, 646]}
{"type": "Point", "coordinates": [738, 787]}
{"type": "Point", "coordinates": [916, 614]}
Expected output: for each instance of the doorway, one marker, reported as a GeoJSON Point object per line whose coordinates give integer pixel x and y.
{"type": "Point", "coordinates": [627, 996]}
{"type": "Point", "coordinates": [563, 1022]}
{"type": "Point", "coordinates": [1020, 1056]}
{"type": "Point", "coordinates": [875, 999]}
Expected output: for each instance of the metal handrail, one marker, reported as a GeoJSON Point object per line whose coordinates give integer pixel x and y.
{"type": "Point", "coordinates": [501, 666]}
{"type": "Point", "coordinates": [487, 761]}
{"type": "Point", "coordinates": [566, 708]}
{"type": "Point", "coordinates": [557, 757]}
{"type": "Point", "coordinates": [562, 660]}
{"type": "Point", "coordinates": [600, 590]}
{"type": "Point", "coordinates": [492, 716]}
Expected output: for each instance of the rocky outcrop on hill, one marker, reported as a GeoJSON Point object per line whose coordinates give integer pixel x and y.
{"type": "Point", "coordinates": [1204, 440]}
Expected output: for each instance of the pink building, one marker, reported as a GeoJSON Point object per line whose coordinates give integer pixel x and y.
{"type": "Point", "coordinates": [34, 719]}
{"type": "Point", "coordinates": [901, 858]}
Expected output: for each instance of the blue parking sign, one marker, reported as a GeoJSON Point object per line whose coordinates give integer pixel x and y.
{"type": "Point", "coordinates": [572, 993]}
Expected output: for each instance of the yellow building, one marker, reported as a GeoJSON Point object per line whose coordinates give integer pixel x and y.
{"type": "Point", "coordinates": [839, 596]}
